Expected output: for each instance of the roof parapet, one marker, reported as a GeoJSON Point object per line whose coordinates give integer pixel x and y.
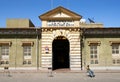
{"type": "Point", "coordinates": [19, 23]}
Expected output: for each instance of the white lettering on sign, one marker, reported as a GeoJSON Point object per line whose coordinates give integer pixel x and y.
{"type": "Point", "coordinates": [60, 23]}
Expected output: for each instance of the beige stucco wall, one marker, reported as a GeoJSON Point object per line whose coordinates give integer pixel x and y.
{"type": "Point", "coordinates": [16, 52]}
{"type": "Point", "coordinates": [91, 25]}
{"type": "Point", "coordinates": [19, 23]}
{"type": "Point", "coordinates": [104, 52]}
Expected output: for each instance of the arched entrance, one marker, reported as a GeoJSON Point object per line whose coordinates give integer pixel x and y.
{"type": "Point", "coordinates": [60, 53]}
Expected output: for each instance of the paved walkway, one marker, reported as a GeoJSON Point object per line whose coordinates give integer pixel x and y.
{"type": "Point", "coordinates": [58, 77]}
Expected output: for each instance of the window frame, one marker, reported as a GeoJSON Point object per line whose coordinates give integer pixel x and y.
{"type": "Point", "coordinates": [94, 54]}
{"type": "Point", "coordinates": [4, 54]}
{"type": "Point", "coordinates": [27, 55]}
{"type": "Point", "coordinates": [115, 49]}
{"type": "Point", "coordinates": [116, 55]}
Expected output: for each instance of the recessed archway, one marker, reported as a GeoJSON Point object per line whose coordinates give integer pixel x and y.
{"type": "Point", "coordinates": [60, 53]}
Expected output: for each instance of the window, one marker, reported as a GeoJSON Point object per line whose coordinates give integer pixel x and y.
{"type": "Point", "coordinates": [93, 54]}
{"type": "Point", "coordinates": [116, 61]}
{"type": "Point", "coordinates": [27, 55]}
{"type": "Point", "coordinates": [4, 58]}
{"type": "Point", "coordinates": [116, 53]}
{"type": "Point", "coordinates": [115, 49]}
{"type": "Point", "coordinates": [27, 50]}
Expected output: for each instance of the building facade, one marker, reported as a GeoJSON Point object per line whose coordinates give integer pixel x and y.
{"type": "Point", "coordinates": [64, 40]}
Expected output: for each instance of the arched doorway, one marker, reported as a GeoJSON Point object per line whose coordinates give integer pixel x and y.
{"type": "Point", "coordinates": [60, 53]}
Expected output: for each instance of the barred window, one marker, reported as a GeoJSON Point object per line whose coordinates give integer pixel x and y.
{"type": "Point", "coordinates": [27, 50]}
{"type": "Point", "coordinates": [115, 49]}
{"type": "Point", "coordinates": [4, 50]}
{"type": "Point", "coordinates": [116, 61]}
{"type": "Point", "coordinates": [4, 55]}
{"type": "Point", "coordinates": [116, 53]}
{"type": "Point", "coordinates": [94, 54]}
{"type": "Point", "coordinates": [27, 55]}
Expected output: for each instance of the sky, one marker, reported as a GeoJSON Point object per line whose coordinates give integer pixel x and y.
{"type": "Point", "coordinates": [101, 11]}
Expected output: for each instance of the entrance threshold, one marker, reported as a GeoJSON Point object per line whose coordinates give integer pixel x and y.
{"type": "Point", "coordinates": [62, 70]}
